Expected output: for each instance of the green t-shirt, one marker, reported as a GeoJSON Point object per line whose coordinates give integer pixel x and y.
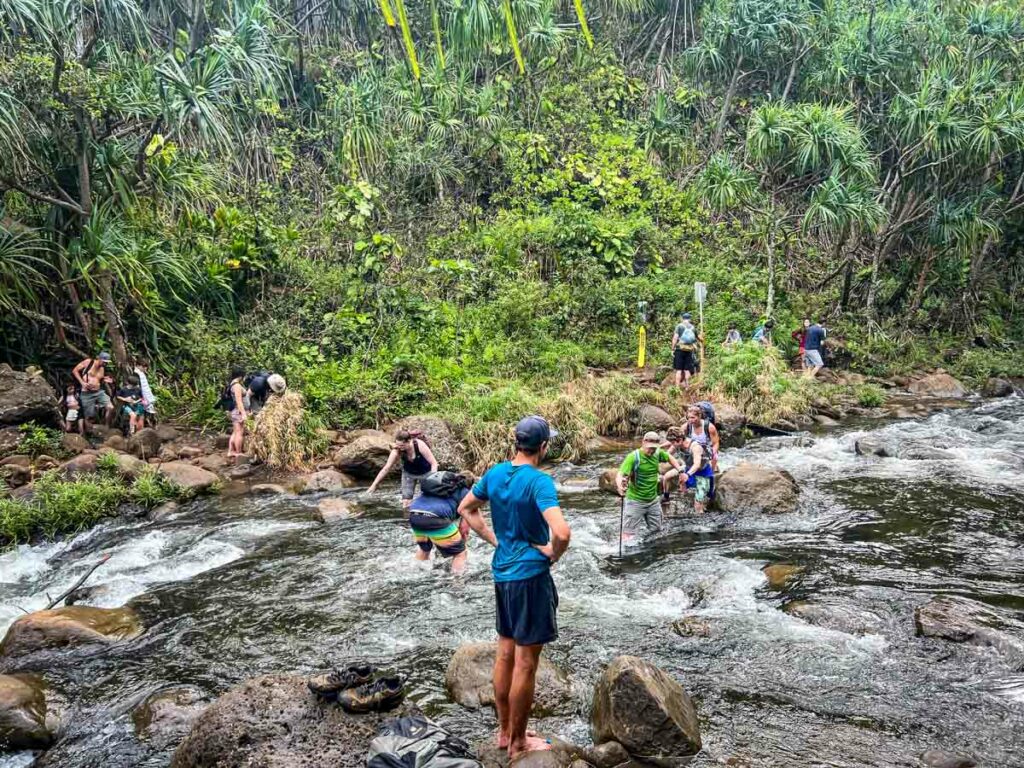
{"type": "Point", "coordinates": [645, 488]}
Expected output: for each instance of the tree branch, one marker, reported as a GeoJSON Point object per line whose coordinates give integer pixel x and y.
{"type": "Point", "coordinates": [73, 207]}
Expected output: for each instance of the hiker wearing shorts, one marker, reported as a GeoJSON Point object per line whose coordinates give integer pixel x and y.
{"type": "Point", "coordinates": [640, 480]}
{"type": "Point", "coordinates": [530, 535]}
{"type": "Point", "coordinates": [684, 350]}
{"type": "Point", "coordinates": [417, 462]}
{"type": "Point", "coordinates": [813, 361]}
{"type": "Point", "coordinates": [700, 475]}
{"type": "Point", "coordinates": [91, 376]}
{"type": "Point", "coordinates": [435, 521]}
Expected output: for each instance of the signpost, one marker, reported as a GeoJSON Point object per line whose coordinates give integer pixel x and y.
{"type": "Point", "coordinates": [700, 293]}
{"type": "Point", "coordinates": [641, 355]}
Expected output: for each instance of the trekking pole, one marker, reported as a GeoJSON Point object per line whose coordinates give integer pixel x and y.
{"type": "Point", "coordinates": [622, 518]}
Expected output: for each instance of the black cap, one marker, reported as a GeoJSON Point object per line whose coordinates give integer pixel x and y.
{"type": "Point", "coordinates": [687, 315]}
{"type": "Point", "coordinates": [532, 431]}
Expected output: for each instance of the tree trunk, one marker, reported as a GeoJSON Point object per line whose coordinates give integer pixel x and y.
{"type": "Point", "coordinates": [106, 288]}
{"type": "Point", "coordinates": [729, 95]}
{"type": "Point", "coordinates": [770, 301]}
{"type": "Point", "coordinates": [922, 279]}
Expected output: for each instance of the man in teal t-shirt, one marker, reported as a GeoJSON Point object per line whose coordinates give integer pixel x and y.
{"type": "Point", "coordinates": [640, 479]}
{"type": "Point", "coordinates": [530, 535]}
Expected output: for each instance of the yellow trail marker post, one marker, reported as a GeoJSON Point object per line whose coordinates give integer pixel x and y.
{"type": "Point", "coordinates": [641, 355]}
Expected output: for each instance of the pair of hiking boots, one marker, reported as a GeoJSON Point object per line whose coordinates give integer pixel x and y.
{"type": "Point", "coordinates": [354, 688]}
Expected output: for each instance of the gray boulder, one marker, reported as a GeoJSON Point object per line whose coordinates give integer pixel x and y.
{"type": "Point", "coordinates": [469, 682]}
{"type": "Point", "coordinates": [872, 445]}
{"type": "Point", "coordinates": [24, 397]}
{"type": "Point", "coordinates": [939, 384]}
{"type": "Point", "coordinates": [652, 417]}
{"type": "Point", "coordinates": [996, 387]}
{"type": "Point", "coordinates": [189, 478]}
{"type": "Point", "coordinates": [365, 456]}
{"type": "Point", "coordinates": [961, 620]}
{"type": "Point", "coordinates": [753, 489]}
{"type": "Point", "coordinates": [446, 447]}
{"type": "Point", "coordinates": [645, 710]}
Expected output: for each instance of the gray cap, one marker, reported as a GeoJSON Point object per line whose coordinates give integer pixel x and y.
{"type": "Point", "coordinates": [652, 438]}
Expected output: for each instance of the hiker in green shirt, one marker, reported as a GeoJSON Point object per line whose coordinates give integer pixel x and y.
{"type": "Point", "coordinates": [640, 480]}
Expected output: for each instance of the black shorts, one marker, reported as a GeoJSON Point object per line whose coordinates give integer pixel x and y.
{"type": "Point", "coordinates": [526, 609]}
{"type": "Point", "coordinates": [684, 360]}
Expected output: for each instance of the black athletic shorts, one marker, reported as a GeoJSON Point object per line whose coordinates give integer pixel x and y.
{"type": "Point", "coordinates": [526, 609]}
{"type": "Point", "coordinates": [684, 360]}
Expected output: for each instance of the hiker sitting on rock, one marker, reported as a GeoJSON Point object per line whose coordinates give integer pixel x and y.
{"type": "Point", "coordinates": [417, 462]}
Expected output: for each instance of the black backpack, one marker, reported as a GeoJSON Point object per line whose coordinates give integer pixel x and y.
{"type": "Point", "coordinates": [442, 484]}
{"type": "Point", "coordinates": [227, 399]}
{"type": "Point", "coordinates": [416, 742]}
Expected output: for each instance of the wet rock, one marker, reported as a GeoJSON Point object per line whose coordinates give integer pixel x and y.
{"type": "Point", "coordinates": [918, 450]}
{"type": "Point", "coordinates": [72, 442]}
{"type": "Point", "coordinates": [691, 626]}
{"type": "Point", "coordinates": [117, 443]}
{"type": "Point", "coordinates": [468, 680]}
{"type": "Point", "coordinates": [165, 716]}
{"type": "Point", "coordinates": [163, 511]}
{"type": "Point", "coordinates": [276, 721]}
{"type": "Point", "coordinates": [961, 620]}
{"type": "Point", "coordinates": [872, 445]}
{"type": "Point", "coordinates": [167, 433]}
{"type": "Point", "coordinates": [324, 481]}
{"type": "Point", "coordinates": [23, 723]}
{"type": "Point", "coordinates": [69, 626]}
{"type": "Point", "coordinates": [750, 489]}
{"type": "Point", "coordinates": [779, 574]}
{"type": "Point", "coordinates": [24, 397]}
{"type": "Point", "coordinates": [606, 482]}
{"type": "Point", "coordinates": [268, 489]}
{"type": "Point", "coordinates": [561, 755]}
{"type": "Point", "coordinates": [996, 387]}
{"type": "Point", "coordinates": [728, 417]}
{"type": "Point", "coordinates": [935, 758]}
{"type": "Point", "coordinates": [652, 417]}
{"type": "Point", "coordinates": [333, 510]}
{"type": "Point", "coordinates": [446, 447]}
{"type": "Point", "coordinates": [836, 616]}
{"type": "Point", "coordinates": [645, 710]}
{"type": "Point", "coordinates": [939, 384]}
{"type": "Point", "coordinates": [607, 755]}
{"type": "Point", "coordinates": [365, 456]}
{"type": "Point", "coordinates": [144, 443]}
{"type": "Point", "coordinates": [190, 479]}
{"type": "Point", "coordinates": [189, 451]}
{"type": "Point", "coordinates": [240, 472]}
{"type": "Point", "coordinates": [83, 464]}
{"type": "Point", "coordinates": [87, 595]}
{"type": "Point", "coordinates": [824, 421]}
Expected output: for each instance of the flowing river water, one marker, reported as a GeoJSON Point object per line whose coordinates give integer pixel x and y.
{"type": "Point", "coordinates": [234, 588]}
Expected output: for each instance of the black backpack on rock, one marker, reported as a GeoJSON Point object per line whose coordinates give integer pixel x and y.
{"type": "Point", "coordinates": [416, 742]}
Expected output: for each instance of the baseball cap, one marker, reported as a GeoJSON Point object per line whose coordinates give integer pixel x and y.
{"type": "Point", "coordinates": [276, 383]}
{"type": "Point", "coordinates": [104, 356]}
{"type": "Point", "coordinates": [532, 431]}
{"type": "Point", "coordinates": [652, 438]}
{"type": "Point", "coordinates": [687, 316]}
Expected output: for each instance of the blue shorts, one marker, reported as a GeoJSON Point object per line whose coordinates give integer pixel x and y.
{"type": "Point", "coordinates": [526, 609]}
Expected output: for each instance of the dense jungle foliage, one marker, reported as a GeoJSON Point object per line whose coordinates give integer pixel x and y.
{"type": "Point", "coordinates": [403, 206]}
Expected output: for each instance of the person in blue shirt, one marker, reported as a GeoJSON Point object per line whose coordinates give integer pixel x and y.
{"type": "Point", "coordinates": [813, 343]}
{"type": "Point", "coordinates": [530, 535]}
{"type": "Point", "coordinates": [435, 521]}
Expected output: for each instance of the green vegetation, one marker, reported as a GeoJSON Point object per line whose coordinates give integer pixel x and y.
{"type": "Point", "coordinates": [65, 507]}
{"type": "Point", "coordinates": [870, 395]}
{"type": "Point", "coordinates": [455, 206]}
{"type": "Point", "coordinates": [40, 441]}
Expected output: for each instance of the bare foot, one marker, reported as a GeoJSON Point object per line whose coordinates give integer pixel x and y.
{"type": "Point", "coordinates": [503, 739]}
{"type": "Point", "coordinates": [529, 744]}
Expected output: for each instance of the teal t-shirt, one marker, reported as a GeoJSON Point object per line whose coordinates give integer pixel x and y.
{"type": "Point", "coordinates": [645, 486]}
{"type": "Point", "coordinates": [518, 495]}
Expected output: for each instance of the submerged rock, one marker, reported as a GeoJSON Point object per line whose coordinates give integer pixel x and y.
{"type": "Point", "coordinates": [69, 626]}
{"type": "Point", "coordinates": [691, 626]}
{"type": "Point", "coordinates": [469, 681]}
{"type": "Point", "coordinates": [750, 489]}
{"type": "Point", "coordinates": [961, 620]}
{"type": "Point", "coordinates": [939, 384]}
{"type": "Point", "coordinates": [365, 456]}
{"type": "Point", "coordinates": [23, 723]}
{"type": "Point", "coordinates": [165, 716]}
{"type": "Point", "coordinates": [778, 574]}
{"type": "Point", "coordinates": [449, 452]}
{"type": "Point", "coordinates": [163, 511]}
{"type": "Point", "coordinates": [268, 489]}
{"type": "Point", "coordinates": [645, 710]}
{"type": "Point", "coordinates": [919, 450]}
{"type": "Point", "coordinates": [332, 510]}
{"type": "Point", "coordinates": [872, 445]}
{"type": "Point", "coordinates": [24, 397]}
{"type": "Point", "coordinates": [189, 478]}
{"type": "Point", "coordinates": [276, 721]}
{"type": "Point", "coordinates": [935, 758]}
{"type": "Point", "coordinates": [836, 616]}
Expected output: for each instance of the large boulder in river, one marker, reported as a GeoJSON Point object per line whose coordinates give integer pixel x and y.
{"type": "Point", "coordinates": [275, 721]}
{"type": "Point", "coordinates": [752, 489]}
{"type": "Point", "coordinates": [69, 626]}
{"type": "Point", "coordinates": [449, 452]}
{"type": "Point", "coordinates": [645, 710]}
{"type": "Point", "coordinates": [365, 456]}
{"type": "Point", "coordinates": [24, 397]}
{"type": "Point", "coordinates": [961, 620]}
{"type": "Point", "coordinates": [728, 417]}
{"type": "Point", "coordinates": [469, 681]}
{"type": "Point", "coordinates": [939, 384]}
{"type": "Point", "coordinates": [996, 387]}
{"type": "Point", "coordinates": [873, 445]}
{"type": "Point", "coordinates": [23, 722]}
{"type": "Point", "coordinates": [145, 443]}
{"type": "Point", "coordinates": [323, 481]}
{"type": "Point", "coordinates": [652, 417]}
{"type": "Point", "coordinates": [188, 477]}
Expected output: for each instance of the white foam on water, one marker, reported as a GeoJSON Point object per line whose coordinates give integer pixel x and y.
{"type": "Point", "coordinates": [17, 759]}
{"type": "Point", "coordinates": [25, 562]}
{"type": "Point", "coordinates": [247, 530]}
{"type": "Point", "coordinates": [635, 604]}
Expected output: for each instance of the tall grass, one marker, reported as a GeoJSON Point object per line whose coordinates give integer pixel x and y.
{"type": "Point", "coordinates": [284, 435]}
{"type": "Point", "coordinates": [757, 380]}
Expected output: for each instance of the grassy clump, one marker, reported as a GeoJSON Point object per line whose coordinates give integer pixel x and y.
{"type": "Point", "coordinates": [284, 435]}
{"type": "Point", "coordinates": [870, 395]}
{"type": "Point", "coordinates": [65, 507]}
{"type": "Point", "coordinates": [39, 441]}
{"type": "Point", "coordinates": [611, 400]}
{"type": "Point", "coordinates": [758, 381]}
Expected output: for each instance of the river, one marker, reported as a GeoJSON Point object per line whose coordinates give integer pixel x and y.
{"type": "Point", "coordinates": [234, 588]}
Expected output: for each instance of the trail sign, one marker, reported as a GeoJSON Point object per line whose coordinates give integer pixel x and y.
{"type": "Point", "coordinates": [700, 292]}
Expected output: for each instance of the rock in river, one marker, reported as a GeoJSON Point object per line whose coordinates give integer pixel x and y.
{"type": "Point", "coordinates": [166, 715]}
{"type": "Point", "coordinates": [996, 387]}
{"type": "Point", "coordinates": [189, 478]}
{"type": "Point", "coordinates": [468, 680]}
{"type": "Point", "coordinates": [275, 721]}
{"type": "Point", "coordinates": [324, 480]}
{"type": "Point", "coordinates": [750, 488]}
{"type": "Point", "coordinates": [939, 384]}
{"type": "Point", "coordinates": [445, 446]}
{"type": "Point", "coordinates": [23, 722]}
{"type": "Point", "coordinates": [645, 710]}
{"type": "Point", "coordinates": [365, 456]}
{"type": "Point", "coordinates": [965, 621]}
{"type": "Point", "coordinates": [935, 758]}
{"type": "Point", "coordinates": [69, 626]}
{"type": "Point", "coordinates": [331, 510]}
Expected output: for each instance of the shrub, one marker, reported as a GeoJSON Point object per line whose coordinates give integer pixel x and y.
{"type": "Point", "coordinates": [870, 395]}
{"type": "Point", "coordinates": [38, 441]}
{"type": "Point", "coordinates": [69, 506]}
{"type": "Point", "coordinates": [151, 488]}
{"type": "Point", "coordinates": [107, 464]}
{"type": "Point", "coordinates": [17, 522]}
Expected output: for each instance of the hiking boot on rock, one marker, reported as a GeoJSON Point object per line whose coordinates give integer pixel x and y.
{"type": "Point", "coordinates": [328, 685]}
{"type": "Point", "coordinates": [378, 696]}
